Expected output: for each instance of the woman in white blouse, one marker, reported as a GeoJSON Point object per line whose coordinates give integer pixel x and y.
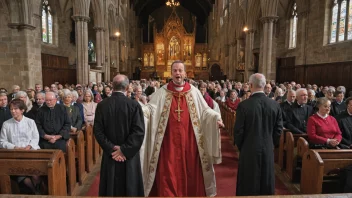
{"type": "Point", "coordinates": [21, 133]}
{"type": "Point", "coordinates": [89, 107]}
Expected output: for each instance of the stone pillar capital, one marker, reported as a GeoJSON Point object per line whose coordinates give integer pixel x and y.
{"type": "Point", "coordinates": [77, 18]}
{"type": "Point", "coordinates": [269, 19]}
{"type": "Point", "coordinates": [99, 29]}
{"type": "Point", "coordinates": [250, 31]}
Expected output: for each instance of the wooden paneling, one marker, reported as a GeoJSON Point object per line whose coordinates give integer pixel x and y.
{"type": "Point", "coordinates": [334, 74]}
{"type": "Point", "coordinates": [57, 69]}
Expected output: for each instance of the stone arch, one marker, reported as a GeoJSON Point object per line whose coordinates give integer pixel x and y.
{"type": "Point", "coordinates": [253, 15]}
{"type": "Point", "coordinates": [111, 20]}
{"type": "Point", "coordinates": [98, 13]}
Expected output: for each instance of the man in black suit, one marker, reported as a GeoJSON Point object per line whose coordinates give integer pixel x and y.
{"type": "Point", "coordinates": [257, 130]}
{"type": "Point", "coordinates": [297, 116]}
{"type": "Point", "coordinates": [150, 89]}
{"type": "Point", "coordinates": [338, 105]}
{"type": "Point", "coordinates": [5, 113]}
{"type": "Point", "coordinates": [268, 91]}
{"type": "Point", "coordinates": [344, 120]}
{"type": "Point", "coordinates": [285, 106]}
{"type": "Point", "coordinates": [119, 129]}
{"type": "Point", "coordinates": [15, 89]}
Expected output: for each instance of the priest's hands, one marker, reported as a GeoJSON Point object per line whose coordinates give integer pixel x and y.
{"type": "Point", "coordinates": [220, 124]}
{"type": "Point", "coordinates": [117, 155]}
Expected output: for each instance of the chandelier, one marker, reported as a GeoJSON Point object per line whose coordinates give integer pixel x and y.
{"type": "Point", "coordinates": [172, 3]}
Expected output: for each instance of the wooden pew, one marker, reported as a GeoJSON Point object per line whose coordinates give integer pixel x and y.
{"type": "Point", "coordinates": [95, 150]}
{"type": "Point", "coordinates": [71, 167]}
{"type": "Point", "coordinates": [31, 163]}
{"type": "Point", "coordinates": [78, 137]}
{"type": "Point", "coordinates": [282, 150]}
{"type": "Point", "coordinates": [88, 135]}
{"type": "Point", "coordinates": [317, 164]}
{"type": "Point", "coordinates": [291, 157]}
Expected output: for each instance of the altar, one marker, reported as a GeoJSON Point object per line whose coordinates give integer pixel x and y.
{"type": "Point", "coordinates": [172, 43]}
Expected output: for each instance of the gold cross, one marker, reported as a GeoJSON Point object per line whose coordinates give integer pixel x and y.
{"type": "Point", "coordinates": [178, 110]}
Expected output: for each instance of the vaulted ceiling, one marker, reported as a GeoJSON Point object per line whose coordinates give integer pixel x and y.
{"type": "Point", "coordinates": [200, 8]}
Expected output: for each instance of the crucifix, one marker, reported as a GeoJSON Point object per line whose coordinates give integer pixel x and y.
{"type": "Point", "coordinates": [178, 110]}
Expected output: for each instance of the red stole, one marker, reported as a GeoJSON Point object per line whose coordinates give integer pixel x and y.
{"type": "Point", "coordinates": [179, 171]}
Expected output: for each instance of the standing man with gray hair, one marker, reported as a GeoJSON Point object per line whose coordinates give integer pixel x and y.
{"type": "Point", "coordinates": [119, 129]}
{"type": "Point", "coordinates": [257, 131]}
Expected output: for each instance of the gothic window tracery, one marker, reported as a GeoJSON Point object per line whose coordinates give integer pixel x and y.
{"type": "Point", "coordinates": [341, 21]}
{"type": "Point", "coordinates": [293, 27]}
{"type": "Point", "coordinates": [47, 23]}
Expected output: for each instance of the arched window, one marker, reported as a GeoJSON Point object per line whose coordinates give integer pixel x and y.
{"type": "Point", "coordinates": [47, 23]}
{"type": "Point", "coordinates": [293, 27]}
{"type": "Point", "coordinates": [341, 21]}
{"type": "Point", "coordinates": [91, 52]}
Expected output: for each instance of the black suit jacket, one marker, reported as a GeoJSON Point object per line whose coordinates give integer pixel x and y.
{"type": "Point", "coordinates": [285, 106]}
{"type": "Point", "coordinates": [293, 122]}
{"type": "Point", "coordinates": [5, 114]}
{"type": "Point", "coordinates": [337, 108]}
{"type": "Point", "coordinates": [345, 123]}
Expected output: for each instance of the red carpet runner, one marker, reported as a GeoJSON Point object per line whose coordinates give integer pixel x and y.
{"type": "Point", "coordinates": [225, 173]}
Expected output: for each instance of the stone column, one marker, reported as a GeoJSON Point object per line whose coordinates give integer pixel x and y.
{"type": "Point", "coordinates": [100, 50]}
{"type": "Point", "coordinates": [249, 67]}
{"type": "Point", "coordinates": [232, 61]}
{"type": "Point", "coordinates": [82, 68]}
{"type": "Point", "coordinates": [268, 24]}
{"type": "Point", "coordinates": [239, 47]}
{"type": "Point", "coordinates": [303, 17]}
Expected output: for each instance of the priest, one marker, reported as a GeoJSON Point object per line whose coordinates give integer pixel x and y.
{"type": "Point", "coordinates": [182, 141]}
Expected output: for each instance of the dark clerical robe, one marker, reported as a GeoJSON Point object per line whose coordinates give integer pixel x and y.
{"type": "Point", "coordinates": [257, 129]}
{"type": "Point", "coordinates": [53, 121]}
{"type": "Point", "coordinates": [297, 118]}
{"type": "Point", "coordinates": [344, 121]}
{"type": "Point", "coordinates": [5, 114]}
{"type": "Point", "coordinates": [179, 171]}
{"type": "Point", "coordinates": [119, 121]}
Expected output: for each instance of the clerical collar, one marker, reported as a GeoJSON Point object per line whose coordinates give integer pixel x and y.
{"type": "Point", "coordinates": [123, 92]}
{"type": "Point", "coordinates": [290, 103]}
{"type": "Point", "coordinates": [323, 117]}
{"type": "Point", "coordinates": [257, 92]}
{"type": "Point", "coordinates": [177, 85]}
{"type": "Point", "coordinates": [300, 105]}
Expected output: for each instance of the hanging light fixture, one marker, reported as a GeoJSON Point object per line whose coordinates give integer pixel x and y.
{"type": "Point", "coordinates": [172, 3]}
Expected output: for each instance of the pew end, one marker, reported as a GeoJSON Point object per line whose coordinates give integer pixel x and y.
{"type": "Point", "coordinates": [78, 137]}
{"type": "Point", "coordinates": [71, 167]}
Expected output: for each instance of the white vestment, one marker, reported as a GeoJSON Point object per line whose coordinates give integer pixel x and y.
{"type": "Point", "coordinates": [204, 122]}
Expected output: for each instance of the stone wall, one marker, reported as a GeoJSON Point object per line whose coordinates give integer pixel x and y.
{"type": "Point", "coordinates": [316, 50]}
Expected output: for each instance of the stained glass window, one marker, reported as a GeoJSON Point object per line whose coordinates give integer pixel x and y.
{"type": "Point", "coordinates": [47, 23]}
{"type": "Point", "coordinates": [350, 21]}
{"type": "Point", "coordinates": [341, 21]}
{"type": "Point", "coordinates": [91, 52]}
{"type": "Point", "coordinates": [334, 22]}
{"type": "Point", "coordinates": [293, 27]}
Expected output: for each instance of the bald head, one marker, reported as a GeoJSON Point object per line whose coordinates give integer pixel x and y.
{"type": "Point", "coordinates": [50, 99]}
{"type": "Point", "coordinates": [257, 81]}
{"type": "Point", "coordinates": [120, 83]}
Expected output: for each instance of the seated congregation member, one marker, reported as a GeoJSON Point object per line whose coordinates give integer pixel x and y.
{"type": "Point", "coordinates": [298, 114]}
{"type": "Point", "coordinates": [138, 95]}
{"type": "Point", "coordinates": [311, 98]}
{"type": "Point", "coordinates": [5, 113]}
{"type": "Point", "coordinates": [246, 95]}
{"type": "Point", "coordinates": [72, 111]}
{"type": "Point", "coordinates": [222, 97]}
{"type": "Point", "coordinates": [268, 92]}
{"type": "Point", "coordinates": [233, 101]}
{"type": "Point", "coordinates": [278, 95]}
{"type": "Point", "coordinates": [205, 94]}
{"type": "Point", "coordinates": [77, 104]}
{"type": "Point", "coordinates": [107, 92]}
{"type": "Point", "coordinates": [285, 106]}
{"type": "Point", "coordinates": [79, 90]}
{"type": "Point", "coordinates": [21, 133]}
{"type": "Point", "coordinates": [89, 107]}
{"type": "Point", "coordinates": [344, 120]}
{"type": "Point", "coordinates": [338, 105]}
{"type": "Point", "coordinates": [40, 99]}
{"type": "Point", "coordinates": [96, 94]}
{"type": "Point", "coordinates": [53, 124]}
{"type": "Point", "coordinates": [323, 130]}
{"type": "Point", "coordinates": [15, 89]}
{"type": "Point", "coordinates": [24, 97]}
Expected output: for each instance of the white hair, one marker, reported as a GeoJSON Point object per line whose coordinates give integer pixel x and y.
{"type": "Point", "coordinates": [300, 90]}
{"type": "Point", "coordinates": [75, 95]}
{"type": "Point", "coordinates": [258, 80]}
{"type": "Point", "coordinates": [67, 93]}
{"type": "Point", "coordinates": [28, 101]}
{"type": "Point", "coordinates": [312, 92]}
